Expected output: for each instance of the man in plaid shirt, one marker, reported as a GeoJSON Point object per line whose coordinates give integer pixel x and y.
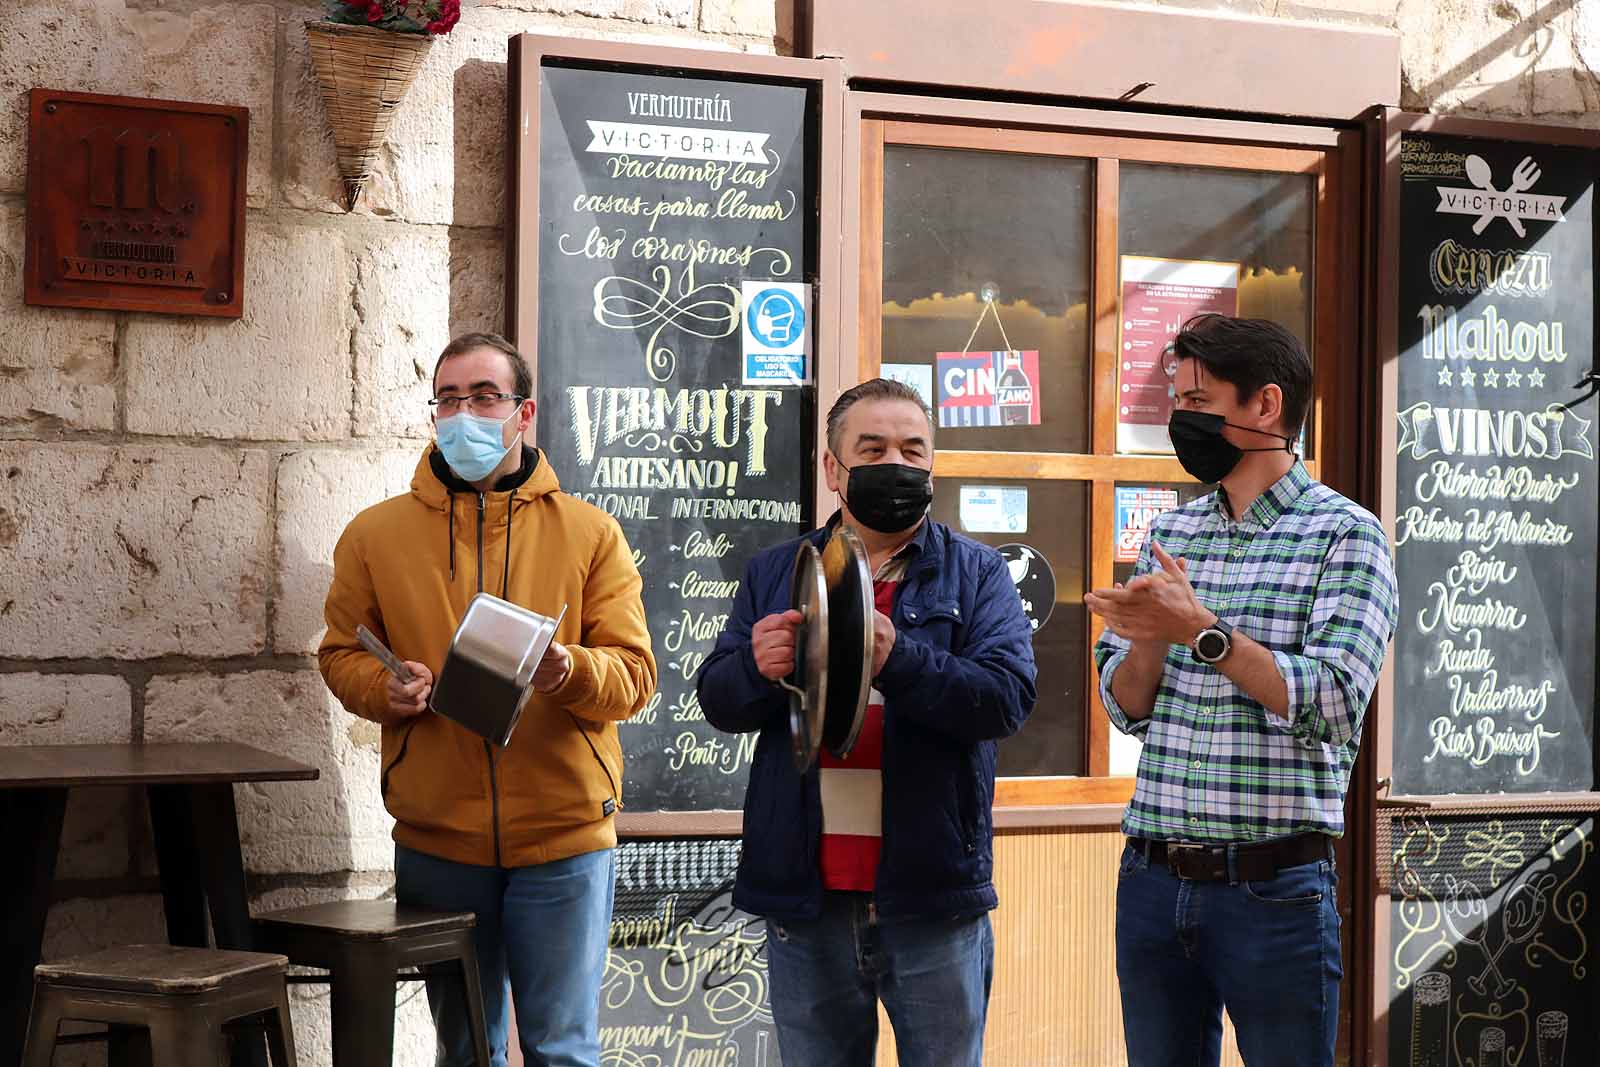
{"type": "Point", "coordinates": [1243, 651]}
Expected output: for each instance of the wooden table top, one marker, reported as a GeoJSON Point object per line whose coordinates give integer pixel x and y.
{"type": "Point", "coordinates": [182, 763]}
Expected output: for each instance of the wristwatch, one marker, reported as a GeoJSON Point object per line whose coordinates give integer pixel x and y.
{"type": "Point", "coordinates": [1213, 644]}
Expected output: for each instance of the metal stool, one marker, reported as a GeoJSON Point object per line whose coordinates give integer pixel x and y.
{"type": "Point", "coordinates": [183, 996]}
{"type": "Point", "coordinates": [366, 945]}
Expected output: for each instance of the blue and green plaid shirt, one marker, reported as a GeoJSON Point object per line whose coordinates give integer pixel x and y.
{"type": "Point", "coordinates": [1308, 574]}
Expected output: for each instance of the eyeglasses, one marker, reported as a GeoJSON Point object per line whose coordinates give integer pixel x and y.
{"type": "Point", "coordinates": [478, 403]}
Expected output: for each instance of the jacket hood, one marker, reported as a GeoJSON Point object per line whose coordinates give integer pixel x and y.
{"type": "Point", "coordinates": [434, 483]}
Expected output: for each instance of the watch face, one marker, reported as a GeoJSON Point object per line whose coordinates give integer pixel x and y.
{"type": "Point", "coordinates": [1211, 645]}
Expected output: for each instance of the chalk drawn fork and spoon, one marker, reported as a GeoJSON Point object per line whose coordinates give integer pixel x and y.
{"type": "Point", "coordinates": [1522, 179]}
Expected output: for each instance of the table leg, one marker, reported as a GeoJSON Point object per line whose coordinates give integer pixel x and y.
{"type": "Point", "coordinates": [183, 894]}
{"type": "Point", "coordinates": [32, 818]}
{"type": "Point", "coordinates": [216, 826]}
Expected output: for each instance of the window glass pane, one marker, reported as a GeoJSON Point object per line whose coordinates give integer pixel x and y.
{"type": "Point", "coordinates": [959, 226]}
{"type": "Point", "coordinates": [1049, 519]}
{"type": "Point", "coordinates": [1203, 239]}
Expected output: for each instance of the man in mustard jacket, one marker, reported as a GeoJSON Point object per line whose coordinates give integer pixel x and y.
{"type": "Point", "coordinates": [523, 836]}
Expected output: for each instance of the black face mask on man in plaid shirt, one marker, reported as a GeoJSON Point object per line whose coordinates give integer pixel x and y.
{"type": "Point", "coordinates": [1202, 450]}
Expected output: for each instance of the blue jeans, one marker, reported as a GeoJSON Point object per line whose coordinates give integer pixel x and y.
{"type": "Point", "coordinates": [1266, 951]}
{"type": "Point", "coordinates": [828, 974]}
{"type": "Point", "coordinates": [542, 935]}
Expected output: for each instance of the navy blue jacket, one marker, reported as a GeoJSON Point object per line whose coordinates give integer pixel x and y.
{"type": "Point", "coordinates": [960, 677]}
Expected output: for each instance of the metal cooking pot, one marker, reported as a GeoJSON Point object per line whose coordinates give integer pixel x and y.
{"type": "Point", "coordinates": [488, 673]}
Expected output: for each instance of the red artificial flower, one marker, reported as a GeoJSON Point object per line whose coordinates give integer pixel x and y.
{"type": "Point", "coordinates": [449, 15]}
{"type": "Point", "coordinates": [374, 12]}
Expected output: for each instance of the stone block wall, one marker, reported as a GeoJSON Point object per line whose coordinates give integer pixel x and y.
{"type": "Point", "coordinates": [171, 489]}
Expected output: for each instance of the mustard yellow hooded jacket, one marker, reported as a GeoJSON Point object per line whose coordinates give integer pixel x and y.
{"type": "Point", "coordinates": [407, 568]}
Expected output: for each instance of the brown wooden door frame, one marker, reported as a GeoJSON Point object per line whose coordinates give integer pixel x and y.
{"type": "Point", "coordinates": [1339, 308]}
{"type": "Point", "coordinates": [1331, 318]}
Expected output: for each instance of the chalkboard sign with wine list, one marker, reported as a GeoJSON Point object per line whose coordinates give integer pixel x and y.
{"type": "Point", "coordinates": [1496, 489]}
{"type": "Point", "coordinates": [1494, 662]}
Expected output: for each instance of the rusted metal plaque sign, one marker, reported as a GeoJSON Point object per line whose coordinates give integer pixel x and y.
{"type": "Point", "coordinates": [135, 205]}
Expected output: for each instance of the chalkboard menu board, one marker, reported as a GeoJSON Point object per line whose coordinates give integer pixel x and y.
{"type": "Point", "coordinates": [1490, 937]}
{"type": "Point", "coordinates": [686, 976]}
{"type": "Point", "coordinates": [1496, 484]}
{"type": "Point", "coordinates": [658, 196]}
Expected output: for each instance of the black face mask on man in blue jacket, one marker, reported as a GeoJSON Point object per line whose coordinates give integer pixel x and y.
{"type": "Point", "coordinates": [888, 497]}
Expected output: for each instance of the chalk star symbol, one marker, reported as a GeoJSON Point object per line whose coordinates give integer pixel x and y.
{"type": "Point", "coordinates": [1468, 378]}
{"type": "Point", "coordinates": [1514, 378]}
{"type": "Point", "coordinates": [1445, 377]}
{"type": "Point", "coordinates": [1491, 378]}
{"type": "Point", "coordinates": [1536, 378]}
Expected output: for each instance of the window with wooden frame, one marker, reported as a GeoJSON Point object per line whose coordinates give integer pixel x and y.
{"type": "Point", "coordinates": [1070, 256]}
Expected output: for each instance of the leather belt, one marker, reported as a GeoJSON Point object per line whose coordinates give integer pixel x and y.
{"type": "Point", "coordinates": [1257, 861]}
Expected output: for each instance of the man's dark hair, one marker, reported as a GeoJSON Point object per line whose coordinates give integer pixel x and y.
{"type": "Point", "coordinates": [522, 376]}
{"type": "Point", "coordinates": [871, 389]}
{"type": "Point", "coordinates": [1251, 353]}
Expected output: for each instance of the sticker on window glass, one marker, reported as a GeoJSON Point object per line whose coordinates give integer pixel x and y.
{"type": "Point", "coordinates": [1035, 581]}
{"type": "Point", "coordinates": [994, 509]}
{"type": "Point", "coordinates": [989, 388]}
{"type": "Point", "coordinates": [917, 375]}
{"type": "Point", "coordinates": [1158, 297]}
{"type": "Point", "coordinates": [1137, 508]}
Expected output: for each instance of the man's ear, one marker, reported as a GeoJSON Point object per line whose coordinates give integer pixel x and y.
{"type": "Point", "coordinates": [1269, 403]}
{"type": "Point", "coordinates": [831, 472]}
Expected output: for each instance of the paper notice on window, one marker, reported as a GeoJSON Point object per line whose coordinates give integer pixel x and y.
{"type": "Point", "coordinates": [1137, 508]}
{"type": "Point", "coordinates": [1158, 297]}
{"type": "Point", "coordinates": [994, 509]}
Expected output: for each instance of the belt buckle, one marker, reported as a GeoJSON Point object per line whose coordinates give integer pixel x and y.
{"type": "Point", "coordinates": [1178, 850]}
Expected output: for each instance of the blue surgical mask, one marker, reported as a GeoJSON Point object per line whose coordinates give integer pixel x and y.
{"type": "Point", "coordinates": [472, 444]}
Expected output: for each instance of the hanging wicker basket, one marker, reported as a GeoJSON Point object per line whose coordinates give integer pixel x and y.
{"type": "Point", "coordinates": [363, 73]}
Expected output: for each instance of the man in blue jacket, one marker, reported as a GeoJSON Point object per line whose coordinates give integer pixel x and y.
{"type": "Point", "coordinates": [875, 872]}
